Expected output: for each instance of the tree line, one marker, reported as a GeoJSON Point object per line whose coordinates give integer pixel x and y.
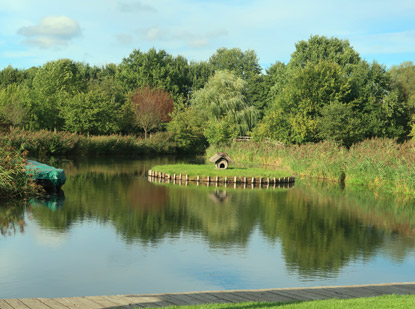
{"type": "Point", "coordinates": [325, 92]}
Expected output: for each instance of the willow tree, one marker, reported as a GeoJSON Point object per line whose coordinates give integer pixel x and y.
{"type": "Point", "coordinates": [223, 104]}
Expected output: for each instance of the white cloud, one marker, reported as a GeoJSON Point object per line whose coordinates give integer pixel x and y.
{"type": "Point", "coordinates": [123, 38]}
{"type": "Point", "coordinates": [51, 31]}
{"type": "Point", "coordinates": [191, 39]}
{"type": "Point", "coordinates": [134, 6]}
{"type": "Point", "coordinates": [153, 34]}
{"type": "Point", "coordinates": [199, 43]}
{"type": "Point", "coordinates": [386, 43]}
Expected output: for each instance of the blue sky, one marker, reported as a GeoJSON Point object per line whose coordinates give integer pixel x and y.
{"type": "Point", "coordinates": [98, 32]}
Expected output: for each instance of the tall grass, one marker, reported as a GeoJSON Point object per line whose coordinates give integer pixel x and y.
{"type": "Point", "coordinates": [324, 160]}
{"type": "Point", "coordinates": [14, 181]}
{"type": "Point", "coordinates": [45, 143]}
{"type": "Point", "coordinates": [377, 163]}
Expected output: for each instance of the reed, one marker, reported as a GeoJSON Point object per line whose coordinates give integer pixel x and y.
{"type": "Point", "coordinates": [45, 143]}
{"type": "Point", "coordinates": [14, 181]}
{"type": "Point", "coordinates": [379, 163]}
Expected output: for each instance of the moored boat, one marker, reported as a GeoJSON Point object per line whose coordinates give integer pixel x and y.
{"type": "Point", "coordinates": [50, 178]}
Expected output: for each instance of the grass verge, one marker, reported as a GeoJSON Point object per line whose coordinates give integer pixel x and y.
{"type": "Point", "coordinates": [379, 302]}
{"type": "Point", "coordinates": [209, 170]}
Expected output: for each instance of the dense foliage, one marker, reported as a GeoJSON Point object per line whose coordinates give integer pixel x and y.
{"type": "Point", "coordinates": [325, 92]}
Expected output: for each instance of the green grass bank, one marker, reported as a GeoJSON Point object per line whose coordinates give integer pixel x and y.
{"type": "Point", "coordinates": [193, 170]}
{"type": "Point", "coordinates": [379, 302]}
{"type": "Point", "coordinates": [380, 164]}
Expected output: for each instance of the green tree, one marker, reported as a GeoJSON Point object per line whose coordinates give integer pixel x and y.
{"type": "Point", "coordinates": [97, 111]}
{"type": "Point", "coordinates": [403, 83]}
{"type": "Point", "coordinates": [14, 104]}
{"type": "Point", "coordinates": [340, 122]}
{"type": "Point", "coordinates": [298, 106]}
{"type": "Point", "coordinates": [199, 73]}
{"type": "Point", "coordinates": [156, 69]}
{"type": "Point", "coordinates": [243, 64]}
{"type": "Point", "coordinates": [9, 76]}
{"type": "Point", "coordinates": [186, 128]}
{"type": "Point", "coordinates": [327, 92]}
{"type": "Point", "coordinates": [271, 84]}
{"type": "Point", "coordinates": [53, 84]}
{"type": "Point", "coordinates": [321, 48]}
{"type": "Point", "coordinates": [223, 103]}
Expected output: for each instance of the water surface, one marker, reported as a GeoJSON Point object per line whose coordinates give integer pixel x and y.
{"type": "Point", "coordinates": [116, 233]}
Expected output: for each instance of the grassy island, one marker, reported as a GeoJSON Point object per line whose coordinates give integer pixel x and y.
{"type": "Point", "coordinates": [193, 170]}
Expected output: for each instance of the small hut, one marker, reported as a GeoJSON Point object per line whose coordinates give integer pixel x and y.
{"type": "Point", "coordinates": [221, 160]}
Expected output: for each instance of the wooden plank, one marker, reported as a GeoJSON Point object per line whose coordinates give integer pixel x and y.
{"type": "Point", "coordinates": [270, 296]}
{"type": "Point", "coordinates": [4, 305]}
{"type": "Point", "coordinates": [119, 301]}
{"type": "Point", "coordinates": [178, 299]}
{"type": "Point", "coordinates": [244, 296]}
{"type": "Point", "coordinates": [34, 303]}
{"type": "Point", "coordinates": [391, 289]}
{"type": "Point", "coordinates": [205, 298]}
{"type": "Point", "coordinates": [101, 301]}
{"type": "Point", "coordinates": [52, 303]}
{"type": "Point", "coordinates": [358, 292]}
{"type": "Point", "coordinates": [146, 300]}
{"type": "Point", "coordinates": [209, 299]}
{"type": "Point", "coordinates": [407, 287]}
{"type": "Point", "coordinates": [299, 295]}
{"type": "Point", "coordinates": [229, 297]}
{"type": "Point", "coordinates": [331, 293]}
{"type": "Point", "coordinates": [85, 302]}
{"type": "Point", "coordinates": [65, 302]}
{"type": "Point", "coordinates": [16, 303]}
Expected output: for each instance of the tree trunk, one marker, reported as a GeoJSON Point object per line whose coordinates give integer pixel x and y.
{"type": "Point", "coordinates": [145, 134]}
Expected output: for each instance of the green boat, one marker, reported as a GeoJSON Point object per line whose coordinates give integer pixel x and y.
{"type": "Point", "coordinates": [52, 179]}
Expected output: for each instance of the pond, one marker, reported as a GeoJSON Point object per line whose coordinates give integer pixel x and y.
{"type": "Point", "coordinates": [114, 232]}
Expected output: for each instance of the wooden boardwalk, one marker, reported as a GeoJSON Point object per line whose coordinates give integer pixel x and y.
{"type": "Point", "coordinates": [196, 298]}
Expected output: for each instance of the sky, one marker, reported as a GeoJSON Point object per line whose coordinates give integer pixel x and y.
{"type": "Point", "coordinates": [98, 32]}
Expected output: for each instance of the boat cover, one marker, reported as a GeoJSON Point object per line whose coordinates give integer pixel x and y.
{"type": "Point", "coordinates": [40, 171]}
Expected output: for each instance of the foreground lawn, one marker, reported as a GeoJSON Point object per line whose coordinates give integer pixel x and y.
{"type": "Point", "coordinates": [209, 170]}
{"type": "Point", "coordinates": [387, 301]}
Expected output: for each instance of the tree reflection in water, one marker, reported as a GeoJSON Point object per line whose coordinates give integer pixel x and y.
{"type": "Point", "coordinates": [321, 228]}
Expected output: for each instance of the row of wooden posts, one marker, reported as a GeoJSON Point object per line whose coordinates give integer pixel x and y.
{"type": "Point", "coordinates": [226, 180]}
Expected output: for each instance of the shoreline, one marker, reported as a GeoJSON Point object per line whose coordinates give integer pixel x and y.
{"type": "Point", "coordinates": [209, 297]}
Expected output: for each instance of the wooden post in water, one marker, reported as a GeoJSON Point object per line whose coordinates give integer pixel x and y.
{"type": "Point", "coordinates": [235, 179]}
